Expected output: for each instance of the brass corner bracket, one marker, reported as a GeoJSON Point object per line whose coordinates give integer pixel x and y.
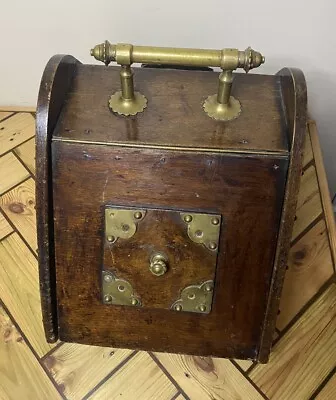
{"type": "Point", "coordinates": [203, 229]}
{"type": "Point", "coordinates": [118, 291]}
{"type": "Point", "coordinates": [121, 222]}
{"type": "Point", "coordinates": [221, 106]}
{"type": "Point", "coordinates": [195, 298]}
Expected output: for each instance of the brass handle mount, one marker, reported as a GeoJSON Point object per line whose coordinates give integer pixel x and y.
{"type": "Point", "coordinates": [220, 106]}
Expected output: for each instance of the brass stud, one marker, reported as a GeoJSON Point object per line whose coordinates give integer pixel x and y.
{"type": "Point", "coordinates": [208, 288]}
{"type": "Point", "coordinates": [202, 308]}
{"type": "Point", "coordinates": [108, 298]}
{"type": "Point", "coordinates": [134, 302]}
{"type": "Point", "coordinates": [187, 218]}
{"type": "Point", "coordinates": [214, 221]}
{"type": "Point", "coordinates": [199, 233]}
{"type": "Point", "coordinates": [138, 215]}
{"type": "Point", "coordinates": [108, 278]}
{"type": "Point", "coordinates": [52, 338]}
{"type": "Point", "coordinates": [212, 245]}
{"type": "Point", "coordinates": [110, 238]}
{"type": "Point", "coordinates": [178, 307]}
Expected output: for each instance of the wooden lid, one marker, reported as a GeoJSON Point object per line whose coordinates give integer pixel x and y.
{"type": "Point", "coordinates": [174, 116]}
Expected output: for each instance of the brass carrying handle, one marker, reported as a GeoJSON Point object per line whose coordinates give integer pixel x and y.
{"type": "Point", "coordinates": [221, 106]}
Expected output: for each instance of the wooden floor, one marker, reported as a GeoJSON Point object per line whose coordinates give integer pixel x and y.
{"type": "Point", "coordinates": [303, 361]}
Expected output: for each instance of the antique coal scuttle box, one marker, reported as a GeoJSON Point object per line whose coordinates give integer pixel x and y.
{"type": "Point", "coordinates": [166, 198]}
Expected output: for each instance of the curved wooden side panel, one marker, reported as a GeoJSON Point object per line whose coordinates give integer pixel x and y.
{"type": "Point", "coordinates": [55, 84]}
{"type": "Point", "coordinates": [294, 99]}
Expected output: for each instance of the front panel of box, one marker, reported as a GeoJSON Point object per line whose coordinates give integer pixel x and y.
{"type": "Point", "coordinates": [164, 250]}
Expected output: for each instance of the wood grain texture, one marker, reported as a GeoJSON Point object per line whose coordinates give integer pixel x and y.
{"type": "Point", "coordinates": [294, 97]}
{"type": "Point", "coordinates": [18, 108]}
{"type": "Point", "coordinates": [55, 83]}
{"type": "Point", "coordinates": [174, 115]}
{"type": "Point", "coordinates": [329, 390]}
{"type": "Point", "coordinates": [5, 228]}
{"type": "Point", "coordinates": [307, 150]}
{"type": "Point", "coordinates": [71, 361]}
{"type": "Point", "coordinates": [163, 231]}
{"type": "Point", "coordinates": [22, 377]}
{"type": "Point", "coordinates": [4, 114]}
{"type": "Point", "coordinates": [149, 177]}
{"type": "Point", "coordinates": [19, 290]}
{"type": "Point", "coordinates": [12, 172]}
{"type": "Point", "coordinates": [208, 378]}
{"type": "Point", "coordinates": [77, 369]}
{"type": "Point", "coordinates": [325, 193]}
{"type": "Point", "coordinates": [15, 130]}
{"type": "Point", "coordinates": [309, 204]}
{"type": "Point", "coordinates": [309, 267]}
{"type": "Point", "coordinates": [233, 327]}
{"type": "Point", "coordinates": [19, 206]}
{"type": "Point", "coordinates": [148, 382]}
{"type": "Point", "coordinates": [26, 152]}
{"type": "Point", "coordinates": [304, 356]}
{"type": "Point", "coordinates": [244, 364]}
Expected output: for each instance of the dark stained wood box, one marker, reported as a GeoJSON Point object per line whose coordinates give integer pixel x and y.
{"type": "Point", "coordinates": [153, 171]}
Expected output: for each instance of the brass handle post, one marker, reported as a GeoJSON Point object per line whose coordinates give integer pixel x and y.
{"type": "Point", "coordinates": [221, 106]}
{"type": "Point", "coordinates": [127, 101]}
{"type": "Point", "coordinates": [224, 87]}
{"type": "Point", "coordinates": [126, 80]}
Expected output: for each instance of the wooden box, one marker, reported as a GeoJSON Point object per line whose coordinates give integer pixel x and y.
{"type": "Point", "coordinates": [167, 230]}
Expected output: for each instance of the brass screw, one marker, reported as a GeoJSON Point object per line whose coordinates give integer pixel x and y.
{"type": "Point", "coordinates": [110, 238]}
{"type": "Point", "coordinates": [107, 278]}
{"type": "Point", "coordinates": [191, 296]}
{"type": "Point", "coordinates": [108, 298]}
{"type": "Point", "coordinates": [178, 307]}
{"type": "Point", "coordinates": [208, 288]}
{"type": "Point", "coordinates": [212, 245]}
{"type": "Point", "coordinates": [187, 218]}
{"type": "Point", "coordinates": [202, 307]}
{"type": "Point", "coordinates": [199, 233]}
{"type": "Point", "coordinates": [215, 221]}
{"type": "Point", "coordinates": [138, 215]}
{"type": "Point", "coordinates": [134, 302]}
{"type": "Point", "coordinates": [125, 227]}
{"type": "Point", "coordinates": [121, 288]}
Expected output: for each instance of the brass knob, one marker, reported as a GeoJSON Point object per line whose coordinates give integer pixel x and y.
{"type": "Point", "coordinates": [158, 264]}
